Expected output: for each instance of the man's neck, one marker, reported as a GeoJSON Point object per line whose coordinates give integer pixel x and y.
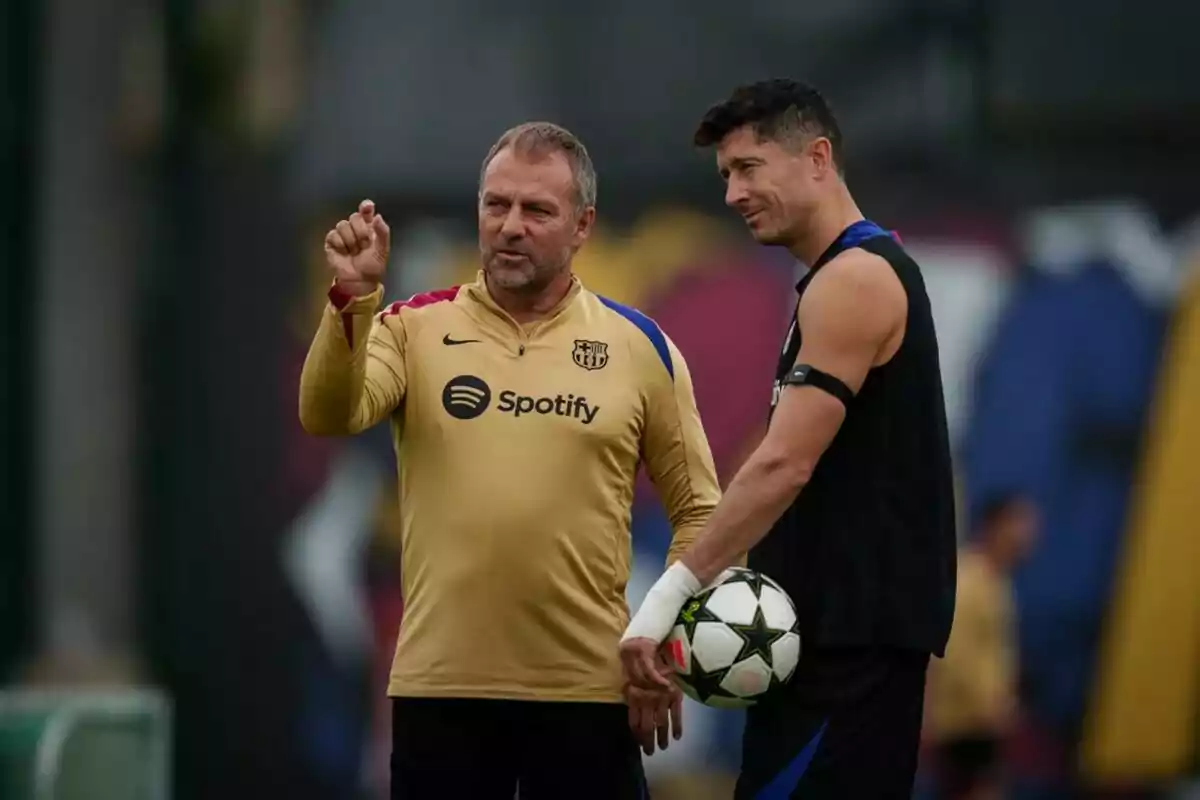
{"type": "Point", "coordinates": [834, 215]}
{"type": "Point", "coordinates": [530, 306]}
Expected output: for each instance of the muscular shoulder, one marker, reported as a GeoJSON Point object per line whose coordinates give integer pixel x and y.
{"type": "Point", "coordinates": [650, 349]}
{"type": "Point", "coordinates": [857, 292]}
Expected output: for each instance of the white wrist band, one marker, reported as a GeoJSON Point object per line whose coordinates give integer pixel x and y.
{"type": "Point", "coordinates": [656, 616]}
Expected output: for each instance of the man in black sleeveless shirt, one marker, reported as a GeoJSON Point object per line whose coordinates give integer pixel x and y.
{"type": "Point", "coordinates": [848, 502]}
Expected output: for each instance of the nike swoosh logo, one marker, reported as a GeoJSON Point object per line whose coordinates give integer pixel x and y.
{"type": "Point", "coordinates": [447, 340]}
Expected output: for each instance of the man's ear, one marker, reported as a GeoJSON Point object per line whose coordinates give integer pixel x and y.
{"type": "Point", "coordinates": [820, 150]}
{"type": "Point", "coordinates": [584, 224]}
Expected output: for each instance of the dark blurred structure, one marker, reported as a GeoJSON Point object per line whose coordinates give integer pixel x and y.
{"type": "Point", "coordinates": [169, 166]}
{"type": "Point", "coordinates": [19, 71]}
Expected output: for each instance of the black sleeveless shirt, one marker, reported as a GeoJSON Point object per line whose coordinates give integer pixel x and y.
{"type": "Point", "coordinates": [868, 550]}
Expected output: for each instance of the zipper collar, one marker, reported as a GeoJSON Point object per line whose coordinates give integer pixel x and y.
{"type": "Point", "coordinates": [478, 293]}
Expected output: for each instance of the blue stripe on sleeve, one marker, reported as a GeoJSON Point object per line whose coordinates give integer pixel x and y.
{"type": "Point", "coordinates": [648, 327]}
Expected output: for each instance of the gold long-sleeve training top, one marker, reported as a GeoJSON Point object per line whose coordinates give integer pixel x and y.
{"type": "Point", "coordinates": [972, 691]}
{"type": "Point", "coordinates": [518, 447]}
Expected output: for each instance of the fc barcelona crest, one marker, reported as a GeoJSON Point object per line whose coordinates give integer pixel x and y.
{"type": "Point", "coordinates": [590, 355]}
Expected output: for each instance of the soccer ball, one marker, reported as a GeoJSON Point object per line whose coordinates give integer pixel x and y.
{"type": "Point", "coordinates": [735, 641]}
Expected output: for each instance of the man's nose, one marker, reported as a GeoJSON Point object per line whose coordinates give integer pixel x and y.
{"type": "Point", "coordinates": [735, 194]}
{"type": "Point", "coordinates": [513, 226]}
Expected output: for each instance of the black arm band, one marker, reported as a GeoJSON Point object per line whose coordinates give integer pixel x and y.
{"type": "Point", "coordinates": [804, 375]}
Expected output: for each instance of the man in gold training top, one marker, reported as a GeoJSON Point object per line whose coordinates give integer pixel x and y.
{"type": "Point", "coordinates": [971, 695]}
{"type": "Point", "coordinates": [521, 407]}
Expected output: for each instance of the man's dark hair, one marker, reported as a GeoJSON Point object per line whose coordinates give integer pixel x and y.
{"type": "Point", "coordinates": [778, 109]}
{"type": "Point", "coordinates": [994, 508]}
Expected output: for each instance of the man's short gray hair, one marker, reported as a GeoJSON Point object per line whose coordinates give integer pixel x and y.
{"type": "Point", "coordinates": [542, 138]}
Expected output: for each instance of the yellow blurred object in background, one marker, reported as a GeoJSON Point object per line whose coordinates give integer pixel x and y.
{"type": "Point", "coordinates": [1142, 723]}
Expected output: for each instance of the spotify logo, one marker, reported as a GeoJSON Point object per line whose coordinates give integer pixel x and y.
{"type": "Point", "coordinates": [466, 397]}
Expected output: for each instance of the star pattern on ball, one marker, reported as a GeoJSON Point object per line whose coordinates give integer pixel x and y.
{"type": "Point", "coordinates": [750, 637]}
{"type": "Point", "coordinates": [757, 638]}
{"type": "Point", "coordinates": [705, 685]}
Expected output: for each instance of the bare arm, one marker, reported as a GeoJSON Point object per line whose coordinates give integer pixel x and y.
{"type": "Point", "coordinates": [850, 315]}
{"type": "Point", "coordinates": [851, 318]}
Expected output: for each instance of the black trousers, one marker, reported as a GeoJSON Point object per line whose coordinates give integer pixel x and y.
{"type": "Point", "coordinates": [847, 726]}
{"type": "Point", "coordinates": [486, 749]}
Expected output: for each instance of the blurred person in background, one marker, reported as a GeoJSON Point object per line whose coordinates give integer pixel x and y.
{"type": "Point", "coordinates": [848, 502]}
{"type": "Point", "coordinates": [972, 695]}
{"type": "Point", "coordinates": [522, 406]}
{"type": "Point", "coordinates": [1070, 373]}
